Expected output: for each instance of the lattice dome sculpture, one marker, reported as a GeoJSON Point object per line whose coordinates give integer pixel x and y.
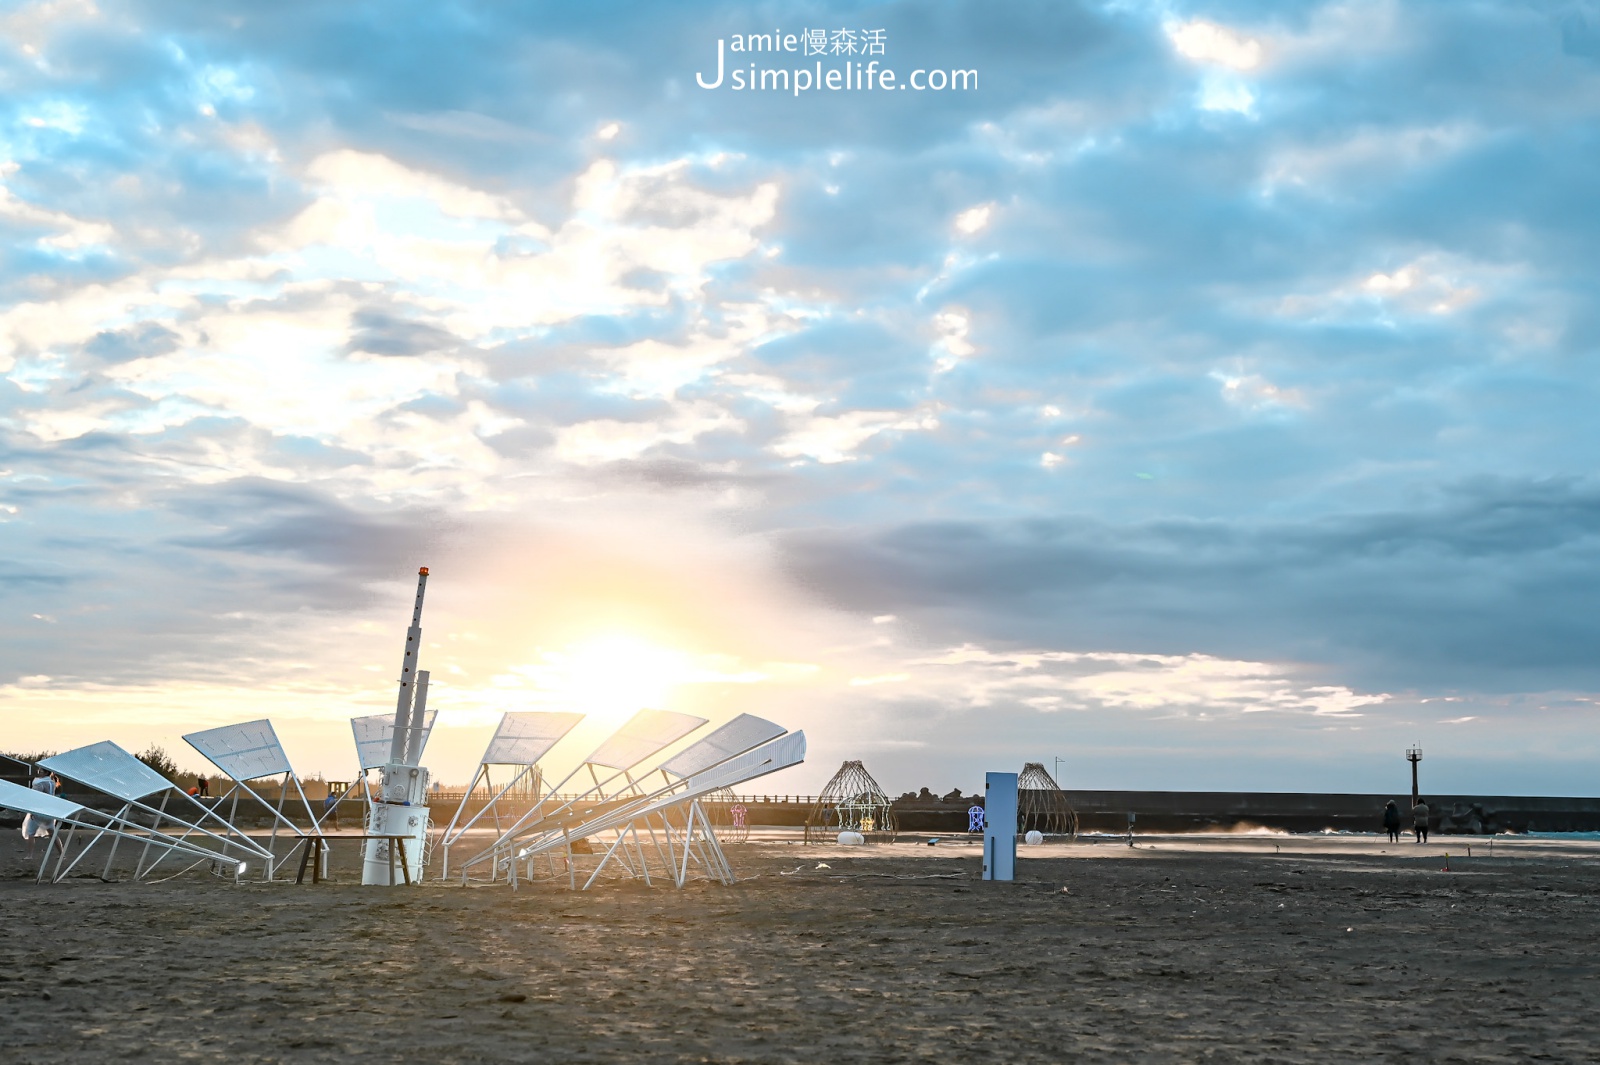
{"type": "Point", "coordinates": [852, 802]}
{"type": "Point", "coordinates": [729, 816]}
{"type": "Point", "coordinates": [1041, 804]}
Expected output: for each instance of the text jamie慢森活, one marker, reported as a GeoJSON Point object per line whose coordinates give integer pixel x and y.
{"type": "Point", "coordinates": [851, 69]}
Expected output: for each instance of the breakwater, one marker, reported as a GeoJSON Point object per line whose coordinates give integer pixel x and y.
{"type": "Point", "coordinates": [1215, 811]}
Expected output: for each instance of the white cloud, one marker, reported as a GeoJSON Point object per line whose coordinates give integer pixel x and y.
{"type": "Point", "coordinates": [263, 337]}
{"type": "Point", "coordinates": [1250, 391]}
{"type": "Point", "coordinates": [353, 176]}
{"type": "Point", "coordinates": [836, 438]}
{"type": "Point", "coordinates": [973, 219]}
{"type": "Point", "coordinates": [1189, 685]}
{"type": "Point", "coordinates": [608, 440]}
{"type": "Point", "coordinates": [1430, 285]}
{"type": "Point", "coordinates": [953, 345]}
{"type": "Point", "coordinates": [1209, 42]}
{"type": "Point", "coordinates": [65, 234]}
{"type": "Point", "coordinates": [1419, 288]}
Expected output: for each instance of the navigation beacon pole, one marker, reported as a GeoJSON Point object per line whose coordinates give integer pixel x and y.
{"type": "Point", "coordinates": [402, 806]}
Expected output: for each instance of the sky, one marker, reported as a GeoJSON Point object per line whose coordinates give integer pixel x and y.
{"type": "Point", "coordinates": [1202, 395]}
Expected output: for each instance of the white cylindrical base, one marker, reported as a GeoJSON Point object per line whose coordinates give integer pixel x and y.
{"type": "Point", "coordinates": [388, 819]}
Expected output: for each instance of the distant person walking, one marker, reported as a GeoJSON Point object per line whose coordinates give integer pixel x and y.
{"type": "Point", "coordinates": [203, 786]}
{"type": "Point", "coordinates": [1419, 820]}
{"type": "Point", "coordinates": [330, 810]}
{"type": "Point", "coordinates": [1391, 821]}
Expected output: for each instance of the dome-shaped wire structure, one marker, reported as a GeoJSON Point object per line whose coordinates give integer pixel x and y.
{"type": "Point", "coordinates": [853, 802]}
{"type": "Point", "coordinates": [1041, 804]}
{"type": "Point", "coordinates": [729, 817]}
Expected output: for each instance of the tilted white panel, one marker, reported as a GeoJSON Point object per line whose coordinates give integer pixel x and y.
{"type": "Point", "coordinates": [106, 767]}
{"type": "Point", "coordinates": [525, 737]}
{"type": "Point", "coordinates": [756, 763]}
{"type": "Point", "coordinates": [768, 758]}
{"type": "Point", "coordinates": [27, 801]}
{"type": "Point", "coordinates": [736, 737]}
{"type": "Point", "coordinates": [645, 733]}
{"type": "Point", "coordinates": [779, 754]}
{"type": "Point", "coordinates": [375, 737]}
{"type": "Point", "coordinates": [244, 751]}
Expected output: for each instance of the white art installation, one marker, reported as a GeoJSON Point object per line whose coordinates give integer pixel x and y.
{"type": "Point", "coordinates": [63, 820]}
{"type": "Point", "coordinates": [649, 823]}
{"type": "Point", "coordinates": [107, 768]}
{"type": "Point", "coordinates": [247, 752]}
{"type": "Point", "coordinates": [520, 740]}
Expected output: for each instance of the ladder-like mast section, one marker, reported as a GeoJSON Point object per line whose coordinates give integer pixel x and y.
{"type": "Point", "coordinates": [402, 749]}
{"type": "Point", "coordinates": [397, 822]}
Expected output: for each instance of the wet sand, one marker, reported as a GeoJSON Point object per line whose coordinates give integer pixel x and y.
{"type": "Point", "coordinates": [1197, 949]}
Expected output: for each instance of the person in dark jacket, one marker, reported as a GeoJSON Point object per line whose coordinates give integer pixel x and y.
{"type": "Point", "coordinates": [1391, 821]}
{"type": "Point", "coordinates": [1419, 820]}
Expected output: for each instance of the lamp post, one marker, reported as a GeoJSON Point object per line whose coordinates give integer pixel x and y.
{"type": "Point", "coordinates": [1414, 755]}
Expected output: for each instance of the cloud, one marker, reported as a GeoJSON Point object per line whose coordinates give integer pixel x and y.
{"type": "Point", "coordinates": [136, 342]}
{"type": "Point", "coordinates": [1479, 590]}
{"type": "Point", "coordinates": [1209, 42]}
{"type": "Point", "coordinates": [1184, 685]}
{"type": "Point", "coordinates": [380, 333]}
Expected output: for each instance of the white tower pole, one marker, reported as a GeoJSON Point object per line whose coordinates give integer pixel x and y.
{"type": "Point", "coordinates": [401, 811]}
{"type": "Point", "coordinates": [408, 668]}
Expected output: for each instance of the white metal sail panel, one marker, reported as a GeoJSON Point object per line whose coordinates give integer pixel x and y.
{"type": "Point", "coordinates": [525, 737]}
{"type": "Point", "coordinates": [27, 801]}
{"type": "Point", "coordinates": [244, 751]}
{"type": "Point", "coordinates": [106, 767]}
{"type": "Point", "coordinates": [779, 754]}
{"type": "Point", "coordinates": [768, 758]}
{"type": "Point", "coordinates": [375, 737]}
{"type": "Point", "coordinates": [736, 737]}
{"type": "Point", "coordinates": [645, 733]}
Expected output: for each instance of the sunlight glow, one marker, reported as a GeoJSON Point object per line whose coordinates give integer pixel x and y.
{"type": "Point", "coordinates": [609, 677]}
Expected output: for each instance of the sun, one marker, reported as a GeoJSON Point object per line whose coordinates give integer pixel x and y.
{"type": "Point", "coordinates": [610, 676]}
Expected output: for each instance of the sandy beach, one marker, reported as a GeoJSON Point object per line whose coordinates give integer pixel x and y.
{"type": "Point", "coordinates": [1281, 949]}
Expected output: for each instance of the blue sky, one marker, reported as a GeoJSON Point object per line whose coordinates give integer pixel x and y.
{"type": "Point", "coordinates": [1206, 397]}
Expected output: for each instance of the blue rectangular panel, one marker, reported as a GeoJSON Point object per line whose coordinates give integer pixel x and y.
{"type": "Point", "coordinates": [1000, 826]}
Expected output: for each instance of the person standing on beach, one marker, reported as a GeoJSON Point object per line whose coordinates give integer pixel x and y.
{"type": "Point", "coordinates": [1391, 821]}
{"type": "Point", "coordinates": [34, 828]}
{"type": "Point", "coordinates": [1419, 820]}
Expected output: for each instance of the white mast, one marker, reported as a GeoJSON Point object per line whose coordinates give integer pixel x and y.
{"type": "Point", "coordinates": [402, 806]}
